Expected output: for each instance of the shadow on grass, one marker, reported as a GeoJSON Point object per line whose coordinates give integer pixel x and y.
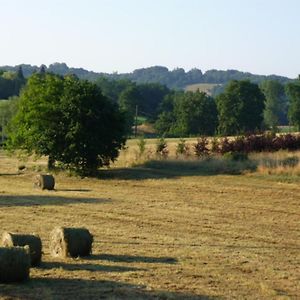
{"type": "Point", "coordinates": [38, 200]}
{"type": "Point", "coordinates": [193, 245]}
{"type": "Point", "coordinates": [156, 169]}
{"type": "Point", "coordinates": [87, 267]}
{"type": "Point", "coordinates": [65, 288]}
{"type": "Point", "coordinates": [9, 174]}
{"type": "Point", "coordinates": [74, 190]}
{"type": "Point", "coordinates": [131, 258]}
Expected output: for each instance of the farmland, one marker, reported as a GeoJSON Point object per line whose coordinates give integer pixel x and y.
{"type": "Point", "coordinates": [161, 233]}
{"type": "Point", "coordinates": [202, 87]}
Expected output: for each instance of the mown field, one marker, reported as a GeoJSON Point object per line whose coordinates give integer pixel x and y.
{"type": "Point", "coordinates": [202, 87]}
{"type": "Point", "coordinates": [160, 233]}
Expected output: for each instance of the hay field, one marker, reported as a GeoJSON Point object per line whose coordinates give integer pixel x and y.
{"type": "Point", "coordinates": [202, 87]}
{"type": "Point", "coordinates": [159, 235]}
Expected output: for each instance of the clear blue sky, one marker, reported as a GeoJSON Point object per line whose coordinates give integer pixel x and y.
{"type": "Point", "coordinates": [259, 36]}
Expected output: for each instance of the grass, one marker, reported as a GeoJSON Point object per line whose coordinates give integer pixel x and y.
{"type": "Point", "coordinates": [162, 230]}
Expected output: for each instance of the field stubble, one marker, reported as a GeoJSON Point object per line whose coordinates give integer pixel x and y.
{"type": "Point", "coordinates": [177, 237]}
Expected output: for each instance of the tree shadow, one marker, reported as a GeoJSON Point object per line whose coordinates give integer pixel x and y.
{"type": "Point", "coordinates": [87, 267]}
{"type": "Point", "coordinates": [9, 174]}
{"type": "Point", "coordinates": [133, 258]}
{"type": "Point", "coordinates": [74, 190]}
{"type": "Point", "coordinates": [135, 173]}
{"type": "Point", "coordinates": [158, 169]}
{"type": "Point", "coordinates": [65, 288]}
{"type": "Point", "coordinates": [38, 200]}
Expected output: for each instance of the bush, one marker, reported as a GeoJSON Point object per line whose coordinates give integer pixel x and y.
{"type": "Point", "coordinates": [162, 148]}
{"type": "Point", "coordinates": [182, 148]}
{"type": "Point", "coordinates": [142, 146]}
{"type": "Point", "coordinates": [200, 148]}
{"type": "Point", "coordinates": [236, 156]}
{"type": "Point", "coordinates": [257, 143]}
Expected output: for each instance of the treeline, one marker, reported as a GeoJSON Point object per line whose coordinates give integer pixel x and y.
{"type": "Point", "coordinates": [243, 106]}
{"type": "Point", "coordinates": [173, 79]}
{"type": "Point", "coordinates": [11, 82]}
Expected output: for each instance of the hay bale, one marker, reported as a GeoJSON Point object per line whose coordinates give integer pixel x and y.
{"type": "Point", "coordinates": [44, 182]}
{"type": "Point", "coordinates": [14, 264]}
{"type": "Point", "coordinates": [32, 241]}
{"type": "Point", "coordinates": [72, 242]}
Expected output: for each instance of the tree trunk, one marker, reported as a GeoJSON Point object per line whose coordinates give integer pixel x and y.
{"type": "Point", "coordinates": [51, 162]}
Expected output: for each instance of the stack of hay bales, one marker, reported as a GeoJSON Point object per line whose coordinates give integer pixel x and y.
{"type": "Point", "coordinates": [72, 242]}
{"type": "Point", "coordinates": [21, 251]}
{"type": "Point", "coordinates": [44, 182]}
{"type": "Point", "coordinates": [14, 264]}
{"type": "Point", "coordinates": [32, 241]}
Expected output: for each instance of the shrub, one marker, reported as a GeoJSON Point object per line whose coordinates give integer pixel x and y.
{"type": "Point", "coordinates": [236, 156]}
{"type": "Point", "coordinates": [225, 146]}
{"type": "Point", "coordinates": [215, 145]}
{"type": "Point", "coordinates": [142, 146]}
{"type": "Point", "coordinates": [162, 148]}
{"type": "Point", "coordinates": [200, 148]}
{"type": "Point", "coordinates": [182, 148]}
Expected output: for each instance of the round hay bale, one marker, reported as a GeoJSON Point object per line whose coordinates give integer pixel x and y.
{"type": "Point", "coordinates": [14, 264]}
{"type": "Point", "coordinates": [72, 242]}
{"type": "Point", "coordinates": [44, 182]}
{"type": "Point", "coordinates": [32, 241]}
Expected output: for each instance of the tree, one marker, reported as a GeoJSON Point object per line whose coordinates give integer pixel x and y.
{"type": "Point", "coordinates": [68, 120]}
{"type": "Point", "coordinates": [166, 118]}
{"type": "Point", "coordinates": [275, 112]}
{"type": "Point", "coordinates": [11, 83]}
{"type": "Point", "coordinates": [42, 69]}
{"type": "Point", "coordinates": [112, 88]}
{"type": "Point", "coordinates": [240, 108]}
{"type": "Point", "coordinates": [20, 74]}
{"type": "Point", "coordinates": [293, 92]}
{"type": "Point", "coordinates": [8, 108]}
{"type": "Point", "coordinates": [147, 97]}
{"type": "Point", "coordinates": [192, 114]}
{"type": "Point", "coordinates": [196, 114]}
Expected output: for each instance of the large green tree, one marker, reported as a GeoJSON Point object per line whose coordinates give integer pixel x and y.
{"type": "Point", "coordinates": [275, 112]}
{"type": "Point", "coordinates": [240, 108]}
{"type": "Point", "coordinates": [293, 92]}
{"type": "Point", "coordinates": [190, 114]}
{"type": "Point", "coordinates": [68, 120]}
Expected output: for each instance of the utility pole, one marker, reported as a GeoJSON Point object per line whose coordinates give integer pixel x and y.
{"type": "Point", "coordinates": [135, 121]}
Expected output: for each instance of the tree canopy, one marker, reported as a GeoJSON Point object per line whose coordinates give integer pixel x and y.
{"type": "Point", "coordinates": [11, 83]}
{"type": "Point", "coordinates": [68, 120]}
{"type": "Point", "coordinates": [240, 108]}
{"type": "Point", "coordinates": [276, 104]}
{"type": "Point", "coordinates": [293, 92]}
{"type": "Point", "coordinates": [188, 114]}
{"type": "Point", "coordinates": [173, 79]}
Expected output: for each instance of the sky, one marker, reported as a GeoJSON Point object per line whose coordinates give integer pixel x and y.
{"type": "Point", "coordinates": [257, 36]}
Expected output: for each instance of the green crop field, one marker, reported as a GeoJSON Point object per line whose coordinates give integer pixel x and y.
{"type": "Point", "coordinates": [166, 230]}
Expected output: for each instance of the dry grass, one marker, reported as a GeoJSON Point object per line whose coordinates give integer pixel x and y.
{"type": "Point", "coordinates": [202, 87]}
{"type": "Point", "coordinates": [159, 235]}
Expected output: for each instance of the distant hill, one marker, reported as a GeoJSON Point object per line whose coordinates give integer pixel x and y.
{"type": "Point", "coordinates": [176, 79]}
